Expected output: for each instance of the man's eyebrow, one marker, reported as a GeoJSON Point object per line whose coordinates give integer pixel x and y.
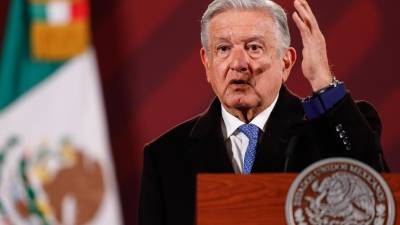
{"type": "Point", "coordinates": [255, 38]}
{"type": "Point", "coordinates": [250, 39]}
{"type": "Point", "coordinates": [226, 39]}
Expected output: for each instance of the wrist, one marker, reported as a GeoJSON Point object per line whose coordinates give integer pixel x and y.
{"type": "Point", "coordinates": [334, 83]}
{"type": "Point", "coordinates": [321, 83]}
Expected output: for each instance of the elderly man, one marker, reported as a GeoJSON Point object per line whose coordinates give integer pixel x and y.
{"type": "Point", "coordinates": [256, 124]}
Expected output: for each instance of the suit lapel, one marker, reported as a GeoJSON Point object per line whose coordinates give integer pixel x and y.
{"type": "Point", "coordinates": [207, 148]}
{"type": "Point", "coordinates": [283, 124]}
{"type": "Point", "coordinates": [207, 152]}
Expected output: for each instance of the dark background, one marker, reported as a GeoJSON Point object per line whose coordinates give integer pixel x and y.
{"type": "Point", "coordinates": [148, 53]}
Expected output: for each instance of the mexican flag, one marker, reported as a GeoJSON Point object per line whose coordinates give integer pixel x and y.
{"type": "Point", "coordinates": [55, 160]}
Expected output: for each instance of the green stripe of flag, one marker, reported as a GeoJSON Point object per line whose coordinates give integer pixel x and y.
{"type": "Point", "coordinates": [38, 12]}
{"type": "Point", "coordinates": [19, 72]}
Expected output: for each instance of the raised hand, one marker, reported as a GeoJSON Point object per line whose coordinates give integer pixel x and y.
{"type": "Point", "coordinates": [315, 64]}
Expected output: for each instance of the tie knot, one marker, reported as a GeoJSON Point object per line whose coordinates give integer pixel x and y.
{"type": "Point", "coordinates": [250, 130]}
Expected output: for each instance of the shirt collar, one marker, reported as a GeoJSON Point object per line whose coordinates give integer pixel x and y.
{"type": "Point", "coordinates": [231, 123]}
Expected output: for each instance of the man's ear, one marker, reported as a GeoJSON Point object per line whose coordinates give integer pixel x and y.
{"type": "Point", "coordinates": [204, 60]}
{"type": "Point", "coordinates": [203, 56]}
{"type": "Point", "coordinates": [289, 58]}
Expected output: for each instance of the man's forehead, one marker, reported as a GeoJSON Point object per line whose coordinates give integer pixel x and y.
{"type": "Point", "coordinates": [245, 37]}
{"type": "Point", "coordinates": [242, 34]}
{"type": "Point", "coordinates": [241, 18]}
{"type": "Point", "coordinates": [232, 22]}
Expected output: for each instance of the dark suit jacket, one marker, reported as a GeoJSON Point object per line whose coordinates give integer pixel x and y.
{"type": "Point", "coordinates": [290, 143]}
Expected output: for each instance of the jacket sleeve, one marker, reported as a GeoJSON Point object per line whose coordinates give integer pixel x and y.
{"type": "Point", "coordinates": [353, 130]}
{"type": "Point", "coordinates": [151, 207]}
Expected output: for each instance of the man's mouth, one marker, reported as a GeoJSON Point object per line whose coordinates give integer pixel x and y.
{"type": "Point", "coordinates": [238, 84]}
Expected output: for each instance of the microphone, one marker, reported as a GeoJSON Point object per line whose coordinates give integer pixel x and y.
{"type": "Point", "coordinates": [382, 164]}
{"type": "Point", "coordinates": [289, 151]}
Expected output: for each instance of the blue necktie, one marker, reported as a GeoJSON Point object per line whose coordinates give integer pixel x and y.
{"type": "Point", "coordinates": [251, 131]}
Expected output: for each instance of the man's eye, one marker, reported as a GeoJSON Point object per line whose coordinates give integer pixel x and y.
{"type": "Point", "coordinates": [254, 47]}
{"type": "Point", "coordinates": [223, 48]}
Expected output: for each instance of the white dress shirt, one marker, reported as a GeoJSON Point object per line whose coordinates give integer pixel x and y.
{"type": "Point", "coordinates": [235, 141]}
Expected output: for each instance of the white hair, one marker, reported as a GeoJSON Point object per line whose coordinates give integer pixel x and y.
{"type": "Point", "coordinates": [273, 9]}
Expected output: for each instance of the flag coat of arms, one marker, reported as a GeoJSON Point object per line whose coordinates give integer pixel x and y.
{"type": "Point", "coordinates": [55, 160]}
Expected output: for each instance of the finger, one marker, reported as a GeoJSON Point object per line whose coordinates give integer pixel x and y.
{"type": "Point", "coordinates": [302, 13]}
{"type": "Point", "coordinates": [312, 17]}
{"type": "Point", "coordinates": [307, 17]}
{"type": "Point", "coordinates": [305, 4]}
{"type": "Point", "coordinates": [304, 30]}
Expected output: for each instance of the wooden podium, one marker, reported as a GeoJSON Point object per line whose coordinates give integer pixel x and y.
{"type": "Point", "coordinates": [257, 199]}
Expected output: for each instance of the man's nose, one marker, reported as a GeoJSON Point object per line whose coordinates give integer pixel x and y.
{"type": "Point", "coordinates": [240, 62]}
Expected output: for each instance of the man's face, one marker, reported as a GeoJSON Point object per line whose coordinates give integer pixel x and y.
{"type": "Point", "coordinates": [243, 64]}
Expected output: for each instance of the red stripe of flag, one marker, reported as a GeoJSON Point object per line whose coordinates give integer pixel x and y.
{"type": "Point", "coordinates": [80, 10]}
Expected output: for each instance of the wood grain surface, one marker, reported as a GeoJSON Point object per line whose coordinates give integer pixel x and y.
{"type": "Point", "coordinates": [257, 199]}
